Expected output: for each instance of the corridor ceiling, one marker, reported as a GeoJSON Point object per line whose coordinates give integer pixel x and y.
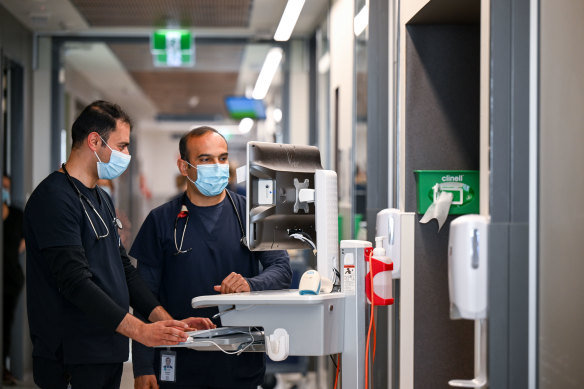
{"type": "Point", "coordinates": [239, 35]}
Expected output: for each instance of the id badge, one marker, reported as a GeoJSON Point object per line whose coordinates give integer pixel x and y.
{"type": "Point", "coordinates": [168, 366]}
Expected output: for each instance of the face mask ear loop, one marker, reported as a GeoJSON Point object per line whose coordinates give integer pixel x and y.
{"type": "Point", "coordinates": [189, 178]}
{"type": "Point", "coordinates": [95, 152]}
{"type": "Point", "coordinates": [104, 142]}
{"type": "Point", "coordinates": [190, 164]}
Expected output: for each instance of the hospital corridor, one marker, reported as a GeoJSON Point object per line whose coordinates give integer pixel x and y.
{"type": "Point", "coordinates": [292, 194]}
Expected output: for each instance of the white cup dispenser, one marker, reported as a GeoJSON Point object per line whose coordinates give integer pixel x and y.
{"type": "Point", "coordinates": [467, 285]}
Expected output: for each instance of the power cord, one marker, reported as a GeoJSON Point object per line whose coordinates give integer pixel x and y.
{"type": "Point", "coordinates": [303, 237]}
{"type": "Point", "coordinates": [337, 281]}
{"type": "Point", "coordinates": [237, 352]}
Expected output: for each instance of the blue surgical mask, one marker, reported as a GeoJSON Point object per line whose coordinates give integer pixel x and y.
{"type": "Point", "coordinates": [6, 196]}
{"type": "Point", "coordinates": [117, 164]}
{"type": "Point", "coordinates": [211, 179]}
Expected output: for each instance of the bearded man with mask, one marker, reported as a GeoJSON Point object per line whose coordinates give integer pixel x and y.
{"type": "Point", "coordinates": [80, 282]}
{"type": "Point", "coordinates": [192, 246]}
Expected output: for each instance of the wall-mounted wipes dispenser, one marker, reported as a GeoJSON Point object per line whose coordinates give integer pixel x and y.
{"type": "Point", "coordinates": [467, 285]}
{"type": "Point", "coordinates": [447, 192]}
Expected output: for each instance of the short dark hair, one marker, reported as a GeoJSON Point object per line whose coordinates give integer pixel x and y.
{"type": "Point", "coordinates": [99, 116]}
{"type": "Point", "coordinates": [194, 133]}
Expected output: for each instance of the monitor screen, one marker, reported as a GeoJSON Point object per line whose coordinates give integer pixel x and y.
{"type": "Point", "coordinates": [240, 107]}
{"type": "Point", "coordinates": [275, 174]}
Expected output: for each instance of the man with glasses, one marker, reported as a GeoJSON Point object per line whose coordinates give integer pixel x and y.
{"type": "Point", "coordinates": [80, 282]}
{"type": "Point", "coordinates": [191, 246]}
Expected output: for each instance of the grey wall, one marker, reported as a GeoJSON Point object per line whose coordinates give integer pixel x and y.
{"type": "Point", "coordinates": [16, 49]}
{"type": "Point", "coordinates": [16, 45]}
{"type": "Point", "coordinates": [561, 185]}
{"type": "Point", "coordinates": [442, 132]}
{"type": "Point", "coordinates": [508, 195]}
{"type": "Point", "coordinates": [378, 130]}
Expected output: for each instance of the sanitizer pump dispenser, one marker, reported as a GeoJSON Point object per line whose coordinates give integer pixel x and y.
{"type": "Point", "coordinates": [380, 268]}
{"type": "Point", "coordinates": [467, 267]}
{"type": "Point", "coordinates": [467, 284]}
{"type": "Point", "coordinates": [389, 226]}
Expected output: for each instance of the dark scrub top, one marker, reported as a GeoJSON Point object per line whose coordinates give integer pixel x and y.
{"type": "Point", "coordinates": [77, 285]}
{"type": "Point", "coordinates": [175, 279]}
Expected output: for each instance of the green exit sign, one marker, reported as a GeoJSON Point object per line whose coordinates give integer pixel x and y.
{"type": "Point", "coordinates": [172, 48]}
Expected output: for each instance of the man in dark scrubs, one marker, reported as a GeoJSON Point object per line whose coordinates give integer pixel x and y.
{"type": "Point", "coordinates": [80, 282]}
{"type": "Point", "coordinates": [206, 257]}
{"type": "Point", "coordinates": [13, 276]}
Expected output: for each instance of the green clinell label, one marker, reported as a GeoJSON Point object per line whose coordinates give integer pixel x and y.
{"type": "Point", "coordinates": [463, 184]}
{"type": "Point", "coordinates": [462, 193]}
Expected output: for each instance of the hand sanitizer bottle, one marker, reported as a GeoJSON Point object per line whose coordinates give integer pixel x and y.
{"type": "Point", "coordinates": [381, 267]}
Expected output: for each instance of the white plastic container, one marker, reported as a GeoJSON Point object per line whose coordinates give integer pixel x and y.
{"type": "Point", "coordinates": [389, 226]}
{"type": "Point", "coordinates": [467, 267]}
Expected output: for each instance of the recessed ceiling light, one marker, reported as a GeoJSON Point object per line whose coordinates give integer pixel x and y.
{"type": "Point", "coordinates": [277, 115]}
{"type": "Point", "coordinates": [194, 101]}
{"type": "Point", "coordinates": [245, 125]}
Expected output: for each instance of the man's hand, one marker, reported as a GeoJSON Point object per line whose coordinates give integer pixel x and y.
{"type": "Point", "coordinates": [166, 332]}
{"type": "Point", "coordinates": [233, 283]}
{"type": "Point", "coordinates": [145, 382]}
{"type": "Point", "coordinates": [199, 323]}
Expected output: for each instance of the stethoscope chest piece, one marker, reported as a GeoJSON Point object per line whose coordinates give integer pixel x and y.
{"type": "Point", "coordinates": [183, 214]}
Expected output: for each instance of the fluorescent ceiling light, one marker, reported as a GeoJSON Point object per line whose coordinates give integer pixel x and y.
{"type": "Point", "coordinates": [361, 20]}
{"type": "Point", "coordinates": [267, 73]}
{"type": "Point", "coordinates": [289, 19]}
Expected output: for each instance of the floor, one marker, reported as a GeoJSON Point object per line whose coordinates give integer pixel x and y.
{"type": "Point", "coordinates": [285, 381]}
{"type": "Point", "coordinates": [127, 380]}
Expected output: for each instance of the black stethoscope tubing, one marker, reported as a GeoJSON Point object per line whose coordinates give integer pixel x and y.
{"type": "Point", "coordinates": [179, 249]}
{"type": "Point", "coordinates": [116, 221]}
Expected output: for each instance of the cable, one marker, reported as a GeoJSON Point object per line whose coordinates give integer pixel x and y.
{"type": "Point", "coordinates": [237, 352]}
{"type": "Point", "coordinates": [337, 281]}
{"type": "Point", "coordinates": [374, 339]}
{"type": "Point", "coordinates": [333, 361]}
{"type": "Point", "coordinates": [225, 351]}
{"type": "Point", "coordinates": [337, 373]}
{"type": "Point", "coordinates": [303, 237]}
{"type": "Point", "coordinates": [371, 318]}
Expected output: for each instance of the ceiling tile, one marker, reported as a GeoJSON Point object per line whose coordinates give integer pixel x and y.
{"type": "Point", "coordinates": [172, 92]}
{"type": "Point", "coordinates": [161, 13]}
{"type": "Point", "coordinates": [208, 57]}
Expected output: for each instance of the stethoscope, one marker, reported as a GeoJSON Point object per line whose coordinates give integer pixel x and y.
{"type": "Point", "coordinates": [184, 214]}
{"type": "Point", "coordinates": [115, 220]}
